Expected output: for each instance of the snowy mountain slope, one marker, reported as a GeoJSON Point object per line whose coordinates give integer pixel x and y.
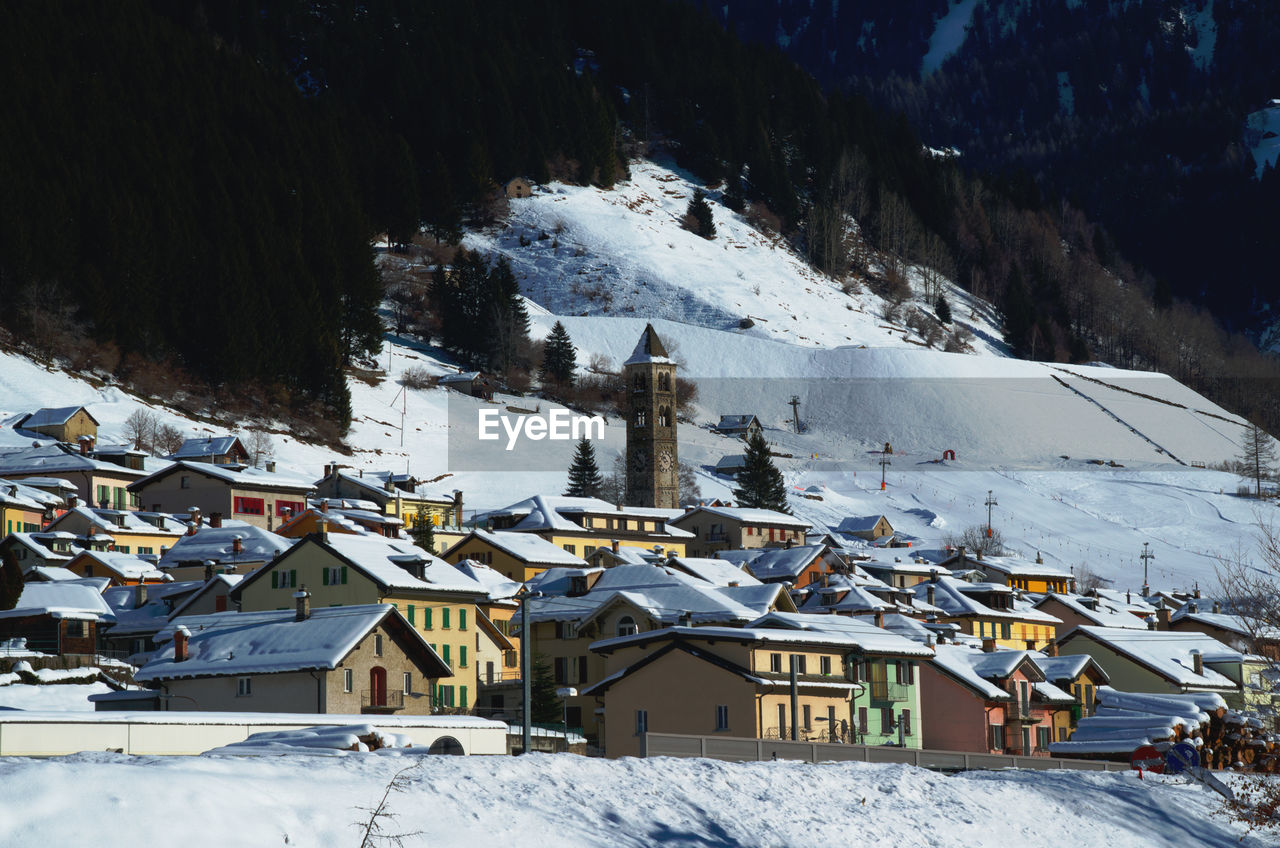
{"type": "Point", "coordinates": [573, 801]}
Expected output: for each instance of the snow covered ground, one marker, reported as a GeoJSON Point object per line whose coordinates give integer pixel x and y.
{"type": "Point", "coordinates": [570, 801]}
{"type": "Point", "coordinates": [63, 697]}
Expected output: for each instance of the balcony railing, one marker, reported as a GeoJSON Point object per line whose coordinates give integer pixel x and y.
{"type": "Point", "coordinates": [883, 690]}
{"type": "Point", "coordinates": [1017, 710]}
{"type": "Point", "coordinates": [717, 537]}
{"type": "Point", "coordinates": [489, 678]}
{"type": "Point", "coordinates": [377, 702]}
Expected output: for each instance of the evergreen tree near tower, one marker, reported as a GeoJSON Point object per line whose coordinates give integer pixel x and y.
{"type": "Point", "coordinates": [760, 484]}
{"type": "Point", "coordinates": [698, 218]}
{"type": "Point", "coordinates": [584, 475]}
{"type": "Point", "coordinates": [559, 357]}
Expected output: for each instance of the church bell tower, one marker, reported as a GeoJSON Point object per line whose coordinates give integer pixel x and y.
{"type": "Point", "coordinates": [652, 460]}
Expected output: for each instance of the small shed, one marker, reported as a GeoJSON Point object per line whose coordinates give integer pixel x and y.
{"type": "Point", "coordinates": [519, 187]}
{"type": "Point", "coordinates": [471, 383]}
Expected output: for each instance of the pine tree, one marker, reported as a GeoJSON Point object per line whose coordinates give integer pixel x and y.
{"type": "Point", "coordinates": [423, 531]}
{"type": "Point", "coordinates": [760, 484]}
{"type": "Point", "coordinates": [11, 584]}
{"type": "Point", "coordinates": [559, 357]}
{"type": "Point", "coordinates": [584, 475]}
{"type": "Point", "coordinates": [1257, 456]}
{"type": "Point", "coordinates": [699, 214]}
{"type": "Point", "coordinates": [545, 705]}
{"type": "Point", "coordinates": [943, 310]}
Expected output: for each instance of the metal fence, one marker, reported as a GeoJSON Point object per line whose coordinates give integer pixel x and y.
{"type": "Point", "coordinates": [751, 750]}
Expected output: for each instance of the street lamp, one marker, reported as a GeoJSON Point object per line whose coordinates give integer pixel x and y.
{"type": "Point", "coordinates": [565, 693]}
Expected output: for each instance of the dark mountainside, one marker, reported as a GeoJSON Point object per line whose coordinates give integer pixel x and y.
{"type": "Point", "coordinates": [197, 186]}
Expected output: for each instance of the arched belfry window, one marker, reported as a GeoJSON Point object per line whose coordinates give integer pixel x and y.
{"type": "Point", "coordinates": [664, 382]}
{"type": "Point", "coordinates": [640, 383]}
{"type": "Point", "coordinates": [664, 416]}
{"type": "Point", "coordinates": [640, 418]}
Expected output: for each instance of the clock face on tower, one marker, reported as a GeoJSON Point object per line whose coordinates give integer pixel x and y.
{"type": "Point", "coordinates": [665, 462]}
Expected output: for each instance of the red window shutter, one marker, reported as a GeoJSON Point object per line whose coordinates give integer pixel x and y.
{"type": "Point", "coordinates": [862, 719]}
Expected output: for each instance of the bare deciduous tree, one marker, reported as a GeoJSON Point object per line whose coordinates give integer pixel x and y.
{"type": "Point", "coordinates": [168, 439]}
{"type": "Point", "coordinates": [976, 540]}
{"type": "Point", "coordinates": [1257, 456]}
{"type": "Point", "coordinates": [140, 429]}
{"type": "Point", "coordinates": [260, 446]}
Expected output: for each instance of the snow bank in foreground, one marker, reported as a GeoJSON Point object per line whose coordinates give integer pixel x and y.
{"type": "Point", "coordinates": [570, 801]}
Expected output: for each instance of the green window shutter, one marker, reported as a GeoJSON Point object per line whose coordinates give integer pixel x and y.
{"type": "Point", "coordinates": [462, 702]}
{"type": "Point", "coordinates": [444, 618]}
{"type": "Point", "coordinates": [324, 573]}
{"type": "Point", "coordinates": [462, 655]}
{"type": "Point", "coordinates": [293, 578]}
{"type": "Point", "coordinates": [411, 615]}
{"type": "Point", "coordinates": [462, 619]}
{"type": "Point", "coordinates": [344, 575]}
{"type": "Point", "coordinates": [445, 656]}
{"type": "Point", "coordinates": [275, 580]}
{"type": "Point", "coordinates": [426, 619]}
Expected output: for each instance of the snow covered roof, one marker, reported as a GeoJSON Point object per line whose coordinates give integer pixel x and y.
{"type": "Point", "coordinates": [73, 599]}
{"type": "Point", "coordinates": [736, 422]}
{"type": "Point", "coordinates": [52, 417]}
{"type": "Point", "coordinates": [127, 566]}
{"type": "Point", "coordinates": [858, 523]}
{"type": "Point", "coordinates": [217, 544]}
{"type": "Point", "coordinates": [215, 583]}
{"type": "Point", "coordinates": [557, 580]}
{"type": "Point", "coordinates": [463, 377]}
{"type": "Point", "coordinates": [527, 547]}
{"type": "Point", "coordinates": [747, 515]}
{"type": "Point", "coordinates": [1168, 653]}
{"type": "Point", "coordinates": [954, 597]}
{"type": "Point", "coordinates": [498, 585]}
{"type": "Point", "coordinates": [55, 459]}
{"type": "Point", "coordinates": [783, 563]}
{"type": "Point", "coordinates": [1016, 567]}
{"type": "Point", "coordinates": [154, 613]}
{"type": "Point", "coordinates": [869, 638]}
{"type": "Point", "coordinates": [22, 494]}
{"type": "Point", "coordinates": [731, 462]}
{"type": "Point", "coordinates": [977, 669]}
{"type": "Point", "coordinates": [248, 478]}
{"type": "Point", "coordinates": [205, 446]}
{"type": "Point", "coordinates": [383, 559]}
{"type": "Point", "coordinates": [649, 350]}
{"type": "Point", "coordinates": [718, 572]}
{"type": "Point", "coordinates": [1065, 666]}
{"type": "Point", "coordinates": [1223, 621]}
{"type": "Point", "coordinates": [855, 640]}
{"type": "Point", "coordinates": [111, 521]}
{"type": "Point", "coordinates": [843, 596]}
{"type": "Point", "coordinates": [1097, 610]}
{"type": "Point", "coordinates": [275, 641]}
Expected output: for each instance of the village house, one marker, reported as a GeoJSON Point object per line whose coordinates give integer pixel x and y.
{"type": "Point", "coordinates": [988, 611]}
{"type": "Point", "coordinates": [39, 550]}
{"type": "Point", "coordinates": [334, 519]}
{"type": "Point", "coordinates": [62, 617]}
{"type": "Point", "coordinates": [26, 509]}
{"type": "Point", "coordinates": [1160, 660]}
{"type": "Point", "coordinates": [875, 529]}
{"type": "Point", "coordinates": [437, 600]}
{"type": "Point", "coordinates": [712, 680]}
{"type": "Point", "coordinates": [212, 596]}
{"type": "Point", "coordinates": [472, 383]}
{"type": "Point", "coordinates": [120, 569]}
{"type": "Point", "coordinates": [398, 495]}
{"type": "Point", "coordinates": [516, 556]}
{"type": "Point", "coordinates": [220, 547]}
{"type": "Point", "coordinates": [141, 611]}
{"type": "Point", "coordinates": [584, 525]}
{"type": "Point", "coordinates": [990, 701]}
{"type": "Point", "coordinates": [719, 528]}
{"type": "Point", "coordinates": [97, 483]}
{"type": "Point", "coordinates": [730, 464]}
{"type": "Point", "coordinates": [125, 456]}
{"type": "Point", "coordinates": [800, 565]}
{"type": "Point", "coordinates": [354, 659]}
{"type": "Point", "coordinates": [740, 426]}
{"type": "Point", "coordinates": [262, 498]}
{"type": "Point", "coordinates": [1036, 577]}
{"type": "Point", "coordinates": [1075, 610]}
{"type": "Point", "coordinates": [899, 573]}
{"type": "Point", "coordinates": [65, 424]}
{"type": "Point", "coordinates": [630, 599]}
{"type": "Point", "coordinates": [129, 532]}
{"type": "Point", "coordinates": [218, 450]}
{"type": "Point", "coordinates": [1078, 674]}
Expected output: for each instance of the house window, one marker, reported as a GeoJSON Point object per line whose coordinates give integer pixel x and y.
{"type": "Point", "coordinates": [642, 722]}
{"type": "Point", "coordinates": [184, 482]}
{"type": "Point", "coordinates": [906, 722]}
{"type": "Point", "coordinates": [426, 618]}
{"type": "Point", "coordinates": [571, 549]}
{"type": "Point", "coordinates": [462, 656]}
{"type": "Point", "coordinates": [722, 717]}
{"type": "Point", "coordinates": [286, 506]}
{"type": "Point", "coordinates": [808, 717]}
{"type": "Point", "coordinates": [775, 663]}
{"type": "Point", "coordinates": [144, 550]}
{"type": "Point", "coordinates": [801, 664]}
{"type": "Point", "coordinates": [997, 737]}
{"type": "Point", "coordinates": [75, 630]}
{"type": "Point", "coordinates": [104, 495]}
{"type": "Point", "coordinates": [824, 666]}
{"type": "Point", "coordinates": [445, 655]}
{"type": "Point", "coordinates": [348, 680]}
{"type": "Point", "coordinates": [413, 614]}
{"type": "Point", "coordinates": [408, 683]}
{"type": "Point", "coordinates": [377, 644]}
{"type": "Point", "coordinates": [627, 626]}
{"type": "Point", "coordinates": [462, 697]}
{"type": "Point", "coordinates": [863, 723]}
{"type": "Point", "coordinates": [1004, 630]}
{"type": "Point", "coordinates": [886, 720]}
{"type": "Point", "coordinates": [284, 579]}
{"type": "Point", "coordinates": [244, 687]}
{"type": "Point", "coordinates": [558, 673]}
{"type": "Point", "coordinates": [1043, 738]}
{"type": "Point", "coordinates": [462, 619]}
{"type": "Point", "coordinates": [444, 617]}
{"type": "Point", "coordinates": [250, 506]}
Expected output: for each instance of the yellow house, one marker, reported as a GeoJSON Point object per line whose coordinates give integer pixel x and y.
{"type": "Point", "coordinates": [121, 569]}
{"type": "Point", "coordinates": [25, 509]}
{"type": "Point", "coordinates": [437, 600]}
{"type": "Point", "coordinates": [398, 495]}
{"type": "Point", "coordinates": [517, 556]}
{"type": "Point", "coordinates": [131, 532]}
{"type": "Point", "coordinates": [989, 611]}
{"type": "Point", "coordinates": [66, 424]}
{"type": "Point", "coordinates": [736, 682]}
{"type": "Point", "coordinates": [583, 525]}
{"type": "Point", "coordinates": [720, 528]}
{"type": "Point", "coordinates": [1037, 577]}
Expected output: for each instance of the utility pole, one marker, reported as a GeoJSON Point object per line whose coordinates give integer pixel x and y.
{"type": "Point", "coordinates": [795, 411]}
{"type": "Point", "coordinates": [991, 501]}
{"type": "Point", "coordinates": [884, 461]}
{"type": "Point", "coordinates": [526, 669]}
{"type": "Point", "coordinates": [1146, 558]}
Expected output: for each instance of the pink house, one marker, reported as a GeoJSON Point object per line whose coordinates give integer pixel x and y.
{"type": "Point", "coordinates": [988, 700]}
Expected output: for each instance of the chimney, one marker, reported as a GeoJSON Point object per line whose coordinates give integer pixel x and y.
{"type": "Point", "coordinates": [879, 619]}
{"type": "Point", "coordinates": [979, 556]}
{"type": "Point", "coordinates": [324, 504]}
{"type": "Point", "coordinates": [193, 514]}
{"type": "Point", "coordinates": [271, 466]}
{"type": "Point", "coordinates": [614, 544]}
{"type": "Point", "coordinates": [215, 519]}
{"type": "Point", "coordinates": [303, 599]}
{"type": "Point", "coordinates": [180, 638]}
{"type": "Point", "coordinates": [824, 579]}
{"type": "Point", "coordinates": [1051, 649]}
{"type": "Point", "coordinates": [73, 501]}
{"type": "Point", "coordinates": [1193, 607]}
{"type": "Point", "coordinates": [208, 570]}
{"type": "Point", "coordinates": [1197, 662]}
{"type": "Point", "coordinates": [929, 594]}
{"type": "Point", "coordinates": [1197, 593]}
{"type": "Point", "coordinates": [1039, 559]}
{"type": "Point", "coordinates": [141, 599]}
{"type": "Point", "coordinates": [1217, 607]}
{"type": "Point", "coordinates": [686, 618]}
{"type": "Point", "coordinates": [85, 443]}
{"type": "Point", "coordinates": [322, 528]}
{"type": "Point", "coordinates": [1151, 622]}
{"type": "Point", "coordinates": [1162, 617]}
{"type": "Point", "coordinates": [237, 544]}
{"type": "Point", "coordinates": [960, 553]}
{"type": "Point", "coordinates": [989, 645]}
